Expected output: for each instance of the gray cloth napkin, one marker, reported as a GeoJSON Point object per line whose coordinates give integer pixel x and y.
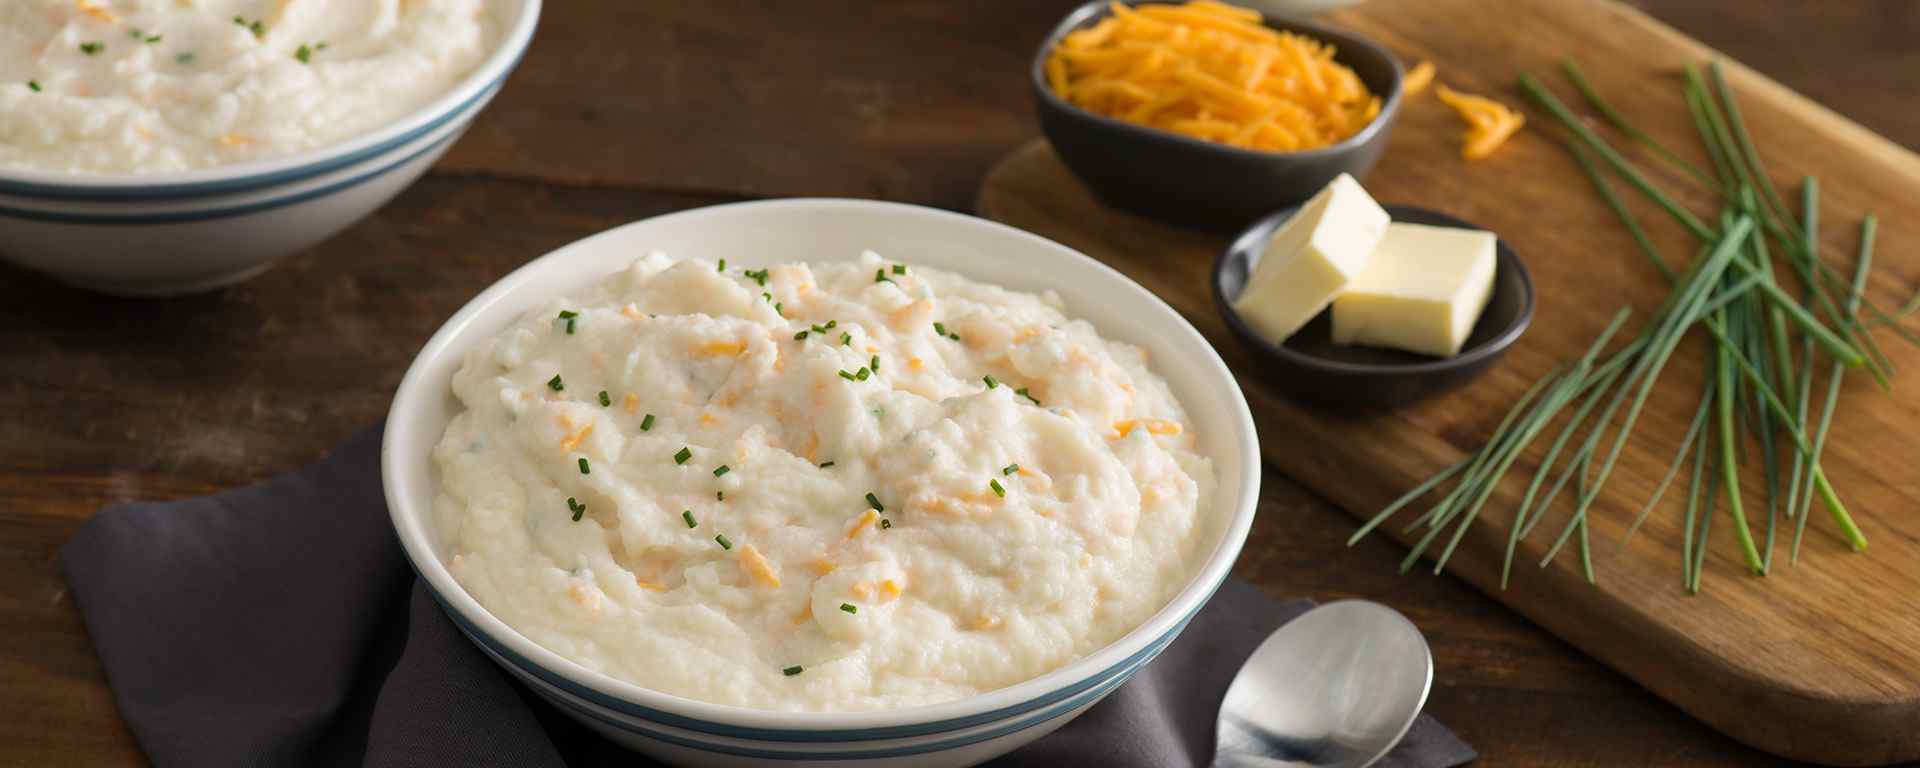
{"type": "Point", "coordinates": [281, 625]}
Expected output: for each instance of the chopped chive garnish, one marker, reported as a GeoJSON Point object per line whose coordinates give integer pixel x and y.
{"type": "Point", "coordinates": [953, 336]}
{"type": "Point", "coordinates": [1023, 393]}
{"type": "Point", "coordinates": [847, 376]}
{"type": "Point", "coordinates": [568, 314]}
{"type": "Point", "coordinates": [874, 501]}
{"type": "Point", "coordinates": [92, 47]}
{"type": "Point", "coordinates": [33, 86]}
{"type": "Point", "coordinates": [764, 295]}
{"type": "Point", "coordinates": [151, 39]}
{"type": "Point", "coordinates": [721, 471]}
{"type": "Point", "coordinates": [939, 328]}
{"type": "Point", "coordinates": [304, 54]}
{"type": "Point", "coordinates": [719, 495]}
{"type": "Point", "coordinates": [556, 384]}
{"type": "Point", "coordinates": [990, 380]}
{"type": "Point", "coordinates": [687, 515]}
{"type": "Point", "coordinates": [791, 671]}
{"type": "Point", "coordinates": [862, 374]}
{"type": "Point", "coordinates": [998, 490]}
{"type": "Point", "coordinates": [849, 608]}
{"type": "Point", "coordinates": [845, 338]}
{"type": "Point", "coordinates": [885, 523]}
{"type": "Point", "coordinates": [134, 33]}
{"type": "Point", "coordinates": [880, 276]}
{"type": "Point", "coordinates": [758, 276]}
{"type": "Point", "coordinates": [584, 469]}
{"type": "Point", "coordinates": [570, 322]}
{"type": "Point", "coordinates": [825, 464]}
{"type": "Point", "coordinates": [1009, 469]}
{"type": "Point", "coordinates": [874, 364]}
{"type": "Point", "coordinates": [801, 336]}
{"type": "Point", "coordinates": [605, 400]}
{"type": "Point", "coordinates": [682, 456]}
{"type": "Point", "coordinates": [184, 58]}
{"type": "Point", "coordinates": [646, 423]}
{"type": "Point", "coordinates": [899, 269]}
{"type": "Point", "coordinates": [723, 541]}
{"type": "Point", "coordinates": [577, 508]}
{"type": "Point", "coordinates": [779, 310]}
{"type": "Point", "coordinates": [832, 323]}
{"type": "Point", "coordinates": [723, 266]}
{"type": "Point", "coordinates": [258, 28]}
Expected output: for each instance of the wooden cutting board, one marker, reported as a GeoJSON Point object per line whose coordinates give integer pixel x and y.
{"type": "Point", "coordinates": [1819, 662]}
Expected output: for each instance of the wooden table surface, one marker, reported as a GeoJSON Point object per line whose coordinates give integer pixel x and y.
{"type": "Point", "coordinates": [623, 110]}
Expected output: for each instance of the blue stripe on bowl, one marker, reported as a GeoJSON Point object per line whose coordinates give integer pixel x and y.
{"type": "Point", "coordinates": [174, 217]}
{"type": "Point", "coordinates": [633, 710]}
{"type": "Point", "coordinates": [1106, 686]}
{"type": "Point", "coordinates": [147, 193]}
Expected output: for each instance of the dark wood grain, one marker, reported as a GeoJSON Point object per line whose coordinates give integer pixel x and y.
{"type": "Point", "coordinates": [625, 109]}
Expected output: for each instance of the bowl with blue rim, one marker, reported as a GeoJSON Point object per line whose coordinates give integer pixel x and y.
{"type": "Point", "coordinates": [159, 234]}
{"type": "Point", "coordinates": [684, 731]}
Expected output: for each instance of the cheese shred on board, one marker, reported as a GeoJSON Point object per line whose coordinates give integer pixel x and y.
{"type": "Point", "coordinates": [1489, 123]}
{"type": "Point", "coordinates": [1211, 71]}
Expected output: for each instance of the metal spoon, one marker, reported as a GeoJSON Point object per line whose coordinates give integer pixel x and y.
{"type": "Point", "coordinates": [1337, 687]}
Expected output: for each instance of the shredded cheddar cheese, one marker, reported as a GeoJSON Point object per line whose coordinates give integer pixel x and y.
{"type": "Point", "coordinates": [1489, 123]}
{"type": "Point", "coordinates": [1211, 71]}
{"type": "Point", "coordinates": [891, 587]}
{"type": "Point", "coordinates": [1418, 78]}
{"type": "Point", "coordinates": [721, 348]}
{"type": "Point", "coordinates": [632, 403]}
{"type": "Point", "coordinates": [96, 12]}
{"type": "Point", "coordinates": [757, 565]}
{"type": "Point", "coordinates": [648, 585]}
{"type": "Point", "coordinates": [1153, 426]}
{"type": "Point", "coordinates": [572, 441]}
{"type": "Point", "coordinates": [866, 519]}
{"type": "Point", "coordinates": [824, 567]}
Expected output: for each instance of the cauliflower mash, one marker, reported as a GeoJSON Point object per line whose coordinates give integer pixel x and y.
{"type": "Point", "coordinates": [843, 486]}
{"type": "Point", "coordinates": [148, 86]}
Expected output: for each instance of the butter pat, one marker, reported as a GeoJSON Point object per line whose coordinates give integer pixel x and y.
{"type": "Point", "coordinates": [1422, 291]}
{"type": "Point", "coordinates": [1311, 259]}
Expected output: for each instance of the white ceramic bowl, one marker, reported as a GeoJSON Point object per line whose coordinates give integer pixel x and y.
{"type": "Point", "coordinates": [963, 732]}
{"type": "Point", "coordinates": [174, 233]}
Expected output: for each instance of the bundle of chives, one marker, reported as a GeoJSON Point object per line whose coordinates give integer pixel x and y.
{"type": "Point", "coordinates": [1749, 319]}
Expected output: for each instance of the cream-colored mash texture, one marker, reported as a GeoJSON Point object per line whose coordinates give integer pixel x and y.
{"type": "Point", "coordinates": [944, 589]}
{"type": "Point", "coordinates": [148, 86]}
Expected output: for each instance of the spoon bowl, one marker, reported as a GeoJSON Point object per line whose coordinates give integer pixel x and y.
{"type": "Point", "coordinates": [1337, 687]}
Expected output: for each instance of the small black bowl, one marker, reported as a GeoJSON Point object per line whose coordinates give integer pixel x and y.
{"type": "Point", "coordinates": [1310, 366]}
{"type": "Point", "coordinates": [1197, 183]}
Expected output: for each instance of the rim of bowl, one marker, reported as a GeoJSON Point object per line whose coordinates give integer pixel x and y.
{"type": "Point", "coordinates": [1503, 254]}
{"type": "Point", "coordinates": [1239, 503]}
{"type": "Point", "coordinates": [222, 178]}
{"type": "Point", "coordinates": [1342, 41]}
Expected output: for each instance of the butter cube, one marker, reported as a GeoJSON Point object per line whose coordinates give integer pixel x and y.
{"type": "Point", "coordinates": [1422, 291]}
{"type": "Point", "coordinates": [1311, 258]}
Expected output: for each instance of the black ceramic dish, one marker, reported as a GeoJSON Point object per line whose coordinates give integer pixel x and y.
{"type": "Point", "coordinates": [1198, 183]}
{"type": "Point", "coordinates": [1310, 366]}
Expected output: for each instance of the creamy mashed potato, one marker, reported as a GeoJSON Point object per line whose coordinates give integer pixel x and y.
{"type": "Point", "coordinates": [829, 487]}
{"type": "Point", "coordinates": [145, 86]}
